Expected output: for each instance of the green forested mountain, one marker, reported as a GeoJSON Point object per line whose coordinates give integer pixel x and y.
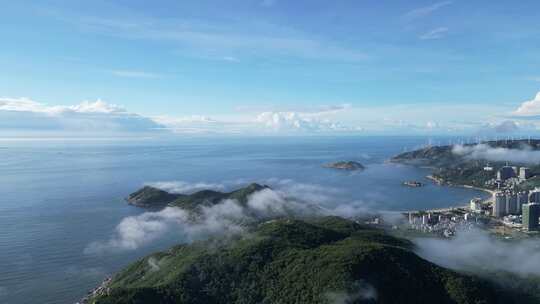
{"type": "Point", "coordinates": [154, 198]}
{"type": "Point", "coordinates": [325, 260]}
{"type": "Point", "coordinates": [463, 169]}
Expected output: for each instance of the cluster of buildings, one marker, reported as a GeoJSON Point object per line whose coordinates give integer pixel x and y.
{"type": "Point", "coordinates": [508, 172]}
{"type": "Point", "coordinates": [510, 206]}
{"type": "Point", "coordinates": [523, 203]}
{"type": "Point", "coordinates": [518, 208]}
{"type": "Point", "coordinates": [442, 222]}
{"type": "Point", "coordinates": [508, 176]}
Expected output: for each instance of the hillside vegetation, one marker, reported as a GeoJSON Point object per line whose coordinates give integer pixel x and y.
{"type": "Point", "coordinates": [325, 260]}
{"type": "Point", "coordinates": [458, 169]}
{"type": "Point", "coordinates": [151, 197]}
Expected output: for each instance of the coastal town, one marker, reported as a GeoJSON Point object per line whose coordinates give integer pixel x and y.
{"type": "Point", "coordinates": [508, 211]}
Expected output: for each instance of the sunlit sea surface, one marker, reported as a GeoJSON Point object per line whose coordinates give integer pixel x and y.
{"type": "Point", "coordinates": [58, 197]}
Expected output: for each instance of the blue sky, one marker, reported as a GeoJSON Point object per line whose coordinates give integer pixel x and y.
{"type": "Point", "coordinates": [271, 66]}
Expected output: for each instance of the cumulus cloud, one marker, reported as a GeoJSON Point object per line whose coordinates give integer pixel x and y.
{"type": "Point", "coordinates": [477, 251]}
{"type": "Point", "coordinates": [24, 114]}
{"type": "Point", "coordinates": [308, 121]}
{"type": "Point", "coordinates": [529, 108]}
{"type": "Point", "coordinates": [524, 155]}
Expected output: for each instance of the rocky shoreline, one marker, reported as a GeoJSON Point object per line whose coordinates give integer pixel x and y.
{"type": "Point", "coordinates": [102, 289]}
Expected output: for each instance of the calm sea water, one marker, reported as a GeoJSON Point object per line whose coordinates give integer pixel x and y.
{"type": "Point", "coordinates": [58, 197]}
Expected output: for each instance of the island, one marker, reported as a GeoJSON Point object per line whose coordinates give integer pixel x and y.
{"type": "Point", "coordinates": [319, 260]}
{"type": "Point", "coordinates": [151, 197]}
{"type": "Point", "coordinates": [345, 165]}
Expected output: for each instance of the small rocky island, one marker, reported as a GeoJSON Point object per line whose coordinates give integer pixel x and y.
{"type": "Point", "coordinates": [151, 197]}
{"type": "Point", "coordinates": [345, 165]}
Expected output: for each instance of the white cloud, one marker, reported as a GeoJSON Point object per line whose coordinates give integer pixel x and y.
{"type": "Point", "coordinates": [223, 219]}
{"type": "Point", "coordinates": [482, 151]}
{"type": "Point", "coordinates": [182, 187]}
{"type": "Point", "coordinates": [360, 291]}
{"type": "Point", "coordinates": [99, 117]}
{"type": "Point", "coordinates": [20, 105]}
{"type": "Point", "coordinates": [310, 121]}
{"type": "Point", "coordinates": [506, 126]}
{"type": "Point", "coordinates": [24, 104]}
{"type": "Point", "coordinates": [437, 33]}
{"type": "Point", "coordinates": [529, 108]}
{"type": "Point", "coordinates": [476, 251]}
{"type": "Point", "coordinates": [426, 10]}
{"type": "Point", "coordinates": [98, 106]}
{"type": "Point", "coordinates": [136, 231]}
{"type": "Point", "coordinates": [200, 124]}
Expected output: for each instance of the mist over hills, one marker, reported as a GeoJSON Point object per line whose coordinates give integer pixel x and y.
{"type": "Point", "coordinates": [283, 254]}
{"type": "Point", "coordinates": [323, 260]}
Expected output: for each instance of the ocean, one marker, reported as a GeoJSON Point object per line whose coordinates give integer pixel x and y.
{"type": "Point", "coordinates": [58, 197]}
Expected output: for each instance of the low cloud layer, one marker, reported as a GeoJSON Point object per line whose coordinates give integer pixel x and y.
{"type": "Point", "coordinates": [524, 155]}
{"type": "Point", "coordinates": [476, 251]}
{"type": "Point", "coordinates": [360, 291]}
{"type": "Point", "coordinates": [222, 219]}
{"type": "Point", "coordinates": [182, 187]}
{"type": "Point", "coordinates": [225, 218]}
{"type": "Point", "coordinates": [136, 231]}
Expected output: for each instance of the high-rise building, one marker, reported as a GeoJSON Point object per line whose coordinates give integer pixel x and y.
{"type": "Point", "coordinates": [534, 196]}
{"type": "Point", "coordinates": [476, 205]}
{"type": "Point", "coordinates": [522, 198]}
{"type": "Point", "coordinates": [531, 213]}
{"type": "Point", "coordinates": [524, 173]}
{"type": "Point", "coordinates": [499, 204]}
{"type": "Point", "coordinates": [505, 173]}
{"type": "Point", "coordinates": [511, 203]}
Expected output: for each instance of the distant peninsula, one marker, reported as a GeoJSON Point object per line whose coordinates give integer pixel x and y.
{"type": "Point", "coordinates": [465, 169]}
{"type": "Point", "coordinates": [345, 165]}
{"type": "Point", "coordinates": [151, 197]}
